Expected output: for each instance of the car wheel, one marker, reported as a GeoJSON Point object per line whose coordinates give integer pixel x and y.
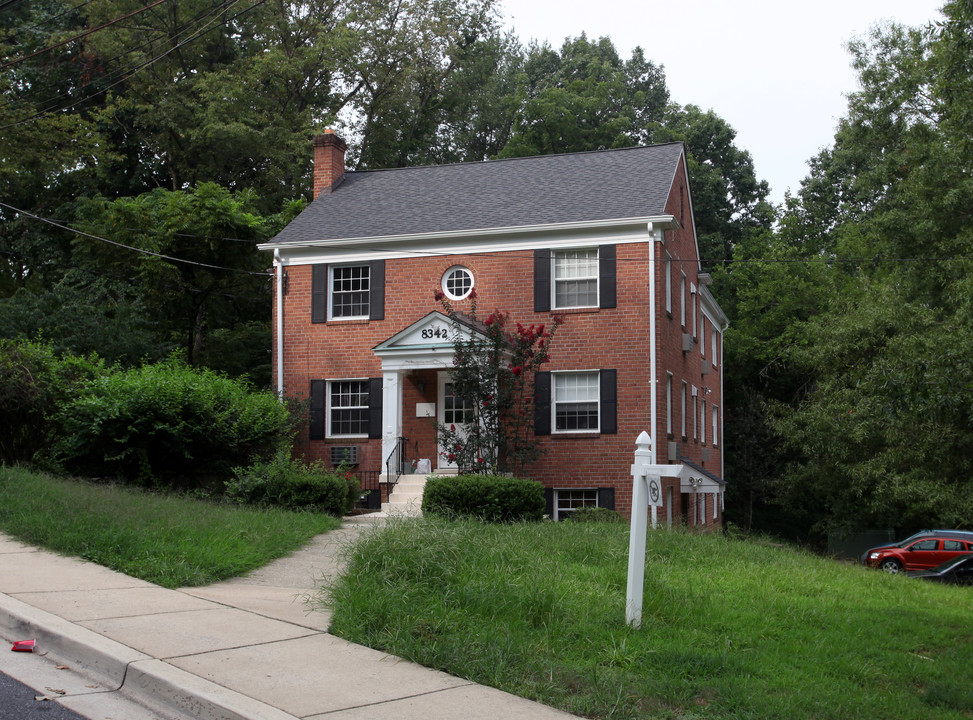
{"type": "Point", "coordinates": [891, 566]}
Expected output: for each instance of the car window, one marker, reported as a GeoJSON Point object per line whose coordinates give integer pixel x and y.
{"type": "Point", "coordinates": [953, 545]}
{"type": "Point", "coordinates": [925, 545]}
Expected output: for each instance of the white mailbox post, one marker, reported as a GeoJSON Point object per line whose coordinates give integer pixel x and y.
{"type": "Point", "coordinates": [646, 492]}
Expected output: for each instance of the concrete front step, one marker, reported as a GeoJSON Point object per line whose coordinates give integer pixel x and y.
{"type": "Point", "coordinates": [406, 496]}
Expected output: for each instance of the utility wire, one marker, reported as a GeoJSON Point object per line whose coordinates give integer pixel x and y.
{"type": "Point", "coordinates": [86, 33]}
{"type": "Point", "coordinates": [226, 6]}
{"type": "Point", "coordinates": [72, 9]}
{"type": "Point", "coordinates": [129, 247]}
{"type": "Point", "coordinates": [126, 279]}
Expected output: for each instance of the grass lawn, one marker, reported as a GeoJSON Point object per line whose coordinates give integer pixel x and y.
{"type": "Point", "coordinates": [170, 541]}
{"type": "Point", "coordinates": [731, 628]}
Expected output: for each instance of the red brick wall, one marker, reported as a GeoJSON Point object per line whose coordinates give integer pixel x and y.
{"type": "Point", "coordinates": [589, 339]}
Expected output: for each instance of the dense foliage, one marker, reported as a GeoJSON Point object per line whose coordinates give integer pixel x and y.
{"type": "Point", "coordinates": [35, 384]}
{"type": "Point", "coordinates": [289, 483]}
{"type": "Point", "coordinates": [492, 498]}
{"type": "Point", "coordinates": [853, 399]}
{"type": "Point", "coordinates": [168, 424]}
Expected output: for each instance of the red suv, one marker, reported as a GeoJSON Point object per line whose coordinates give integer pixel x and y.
{"type": "Point", "coordinates": [918, 553]}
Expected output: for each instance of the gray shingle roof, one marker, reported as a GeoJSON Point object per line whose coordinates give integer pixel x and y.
{"type": "Point", "coordinates": [536, 190]}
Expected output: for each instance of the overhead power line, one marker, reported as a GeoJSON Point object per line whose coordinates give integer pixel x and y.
{"type": "Point", "coordinates": [123, 75]}
{"type": "Point", "coordinates": [129, 247]}
{"type": "Point", "coordinates": [86, 33]}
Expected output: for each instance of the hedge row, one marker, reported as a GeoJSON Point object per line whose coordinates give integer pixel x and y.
{"type": "Point", "coordinates": [487, 497]}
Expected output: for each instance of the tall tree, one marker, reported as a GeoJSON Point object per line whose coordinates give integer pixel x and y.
{"type": "Point", "coordinates": [878, 431]}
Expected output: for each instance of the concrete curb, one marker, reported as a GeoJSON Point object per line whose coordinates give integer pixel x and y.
{"type": "Point", "coordinates": [150, 682]}
{"type": "Point", "coordinates": [165, 688]}
{"type": "Point", "coordinates": [96, 656]}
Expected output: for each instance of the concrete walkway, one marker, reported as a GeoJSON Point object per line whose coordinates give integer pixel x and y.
{"type": "Point", "coordinates": [245, 649]}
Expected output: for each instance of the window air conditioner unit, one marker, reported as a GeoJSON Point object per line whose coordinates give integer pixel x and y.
{"type": "Point", "coordinates": [687, 342]}
{"type": "Point", "coordinates": [347, 454]}
{"type": "Point", "coordinates": [704, 367]}
{"type": "Point", "coordinates": [673, 451]}
{"type": "Point", "coordinates": [706, 455]}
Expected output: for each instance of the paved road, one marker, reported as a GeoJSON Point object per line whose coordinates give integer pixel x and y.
{"type": "Point", "coordinates": [25, 676]}
{"type": "Point", "coordinates": [19, 701]}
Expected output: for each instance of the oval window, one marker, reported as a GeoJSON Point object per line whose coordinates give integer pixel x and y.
{"type": "Point", "coordinates": [457, 282]}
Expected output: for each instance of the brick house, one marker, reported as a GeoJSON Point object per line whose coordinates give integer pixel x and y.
{"type": "Point", "coordinates": [604, 238]}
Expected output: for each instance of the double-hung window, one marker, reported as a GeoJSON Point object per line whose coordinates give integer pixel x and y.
{"type": "Point", "coordinates": [348, 408]}
{"type": "Point", "coordinates": [349, 291]}
{"type": "Point", "coordinates": [575, 400]}
{"type": "Point", "coordinates": [575, 278]}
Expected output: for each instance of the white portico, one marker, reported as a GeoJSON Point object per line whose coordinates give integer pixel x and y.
{"type": "Point", "coordinates": [427, 344]}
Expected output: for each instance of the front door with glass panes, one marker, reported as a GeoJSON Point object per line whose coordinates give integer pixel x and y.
{"type": "Point", "coordinates": [452, 411]}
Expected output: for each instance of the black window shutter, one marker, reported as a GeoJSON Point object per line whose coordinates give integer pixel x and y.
{"type": "Point", "coordinates": [606, 498]}
{"type": "Point", "coordinates": [374, 408]}
{"type": "Point", "coordinates": [319, 293]}
{"type": "Point", "coordinates": [542, 280]}
{"type": "Point", "coordinates": [606, 276]}
{"type": "Point", "coordinates": [376, 292]}
{"type": "Point", "coordinates": [319, 390]}
{"type": "Point", "coordinates": [542, 403]}
{"type": "Point", "coordinates": [609, 402]}
{"type": "Point", "coordinates": [549, 502]}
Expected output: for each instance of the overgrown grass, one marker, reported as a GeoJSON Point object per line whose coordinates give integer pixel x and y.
{"type": "Point", "coordinates": [731, 628]}
{"type": "Point", "coordinates": [170, 541]}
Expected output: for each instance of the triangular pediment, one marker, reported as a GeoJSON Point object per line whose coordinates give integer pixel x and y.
{"type": "Point", "coordinates": [434, 331]}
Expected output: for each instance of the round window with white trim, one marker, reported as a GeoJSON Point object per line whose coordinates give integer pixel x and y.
{"type": "Point", "coordinates": [458, 282]}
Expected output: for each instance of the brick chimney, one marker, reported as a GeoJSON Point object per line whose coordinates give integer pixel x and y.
{"type": "Point", "coordinates": [329, 162]}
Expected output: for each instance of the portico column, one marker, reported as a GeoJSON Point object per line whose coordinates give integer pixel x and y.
{"type": "Point", "coordinates": [391, 413]}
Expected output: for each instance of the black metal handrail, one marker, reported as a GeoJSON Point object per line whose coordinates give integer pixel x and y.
{"type": "Point", "coordinates": [395, 463]}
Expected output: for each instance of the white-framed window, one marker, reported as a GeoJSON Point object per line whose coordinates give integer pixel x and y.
{"type": "Point", "coordinates": [695, 413]}
{"type": "Point", "coordinates": [575, 401]}
{"type": "Point", "coordinates": [714, 339]}
{"type": "Point", "coordinates": [668, 403]}
{"type": "Point", "coordinates": [702, 336]}
{"type": "Point", "coordinates": [347, 408]}
{"type": "Point", "coordinates": [575, 274]}
{"type": "Point", "coordinates": [716, 425]}
{"type": "Point", "coordinates": [349, 290]}
{"type": "Point", "coordinates": [702, 425]}
{"type": "Point", "coordinates": [684, 408]}
{"type": "Point", "coordinates": [567, 501]}
{"type": "Point", "coordinates": [668, 283]}
{"type": "Point", "coordinates": [682, 299]}
{"type": "Point", "coordinates": [693, 298]}
{"type": "Point", "coordinates": [457, 282]}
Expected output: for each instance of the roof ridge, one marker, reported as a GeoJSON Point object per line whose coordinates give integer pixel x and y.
{"type": "Point", "coordinates": [493, 161]}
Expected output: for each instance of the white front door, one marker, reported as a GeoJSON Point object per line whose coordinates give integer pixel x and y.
{"type": "Point", "coordinates": [452, 410]}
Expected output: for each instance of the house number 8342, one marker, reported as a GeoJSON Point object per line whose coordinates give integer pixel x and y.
{"type": "Point", "coordinates": [435, 332]}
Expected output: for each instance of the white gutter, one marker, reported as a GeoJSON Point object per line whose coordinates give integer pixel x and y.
{"type": "Point", "coordinates": [279, 272]}
{"type": "Point", "coordinates": [475, 233]}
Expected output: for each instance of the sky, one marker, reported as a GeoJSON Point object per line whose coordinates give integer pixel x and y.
{"type": "Point", "coordinates": [778, 72]}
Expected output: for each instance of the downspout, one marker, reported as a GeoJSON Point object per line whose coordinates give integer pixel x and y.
{"type": "Point", "coordinates": [653, 392]}
{"type": "Point", "coordinates": [655, 237]}
{"type": "Point", "coordinates": [723, 415]}
{"type": "Point", "coordinates": [279, 270]}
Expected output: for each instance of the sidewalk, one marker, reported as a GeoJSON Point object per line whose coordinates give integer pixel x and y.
{"type": "Point", "coordinates": [245, 649]}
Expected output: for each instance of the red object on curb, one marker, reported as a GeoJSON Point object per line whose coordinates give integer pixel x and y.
{"type": "Point", "coordinates": [23, 646]}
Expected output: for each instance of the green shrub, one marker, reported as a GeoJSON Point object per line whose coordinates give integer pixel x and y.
{"type": "Point", "coordinates": [292, 484]}
{"type": "Point", "coordinates": [488, 497]}
{"type": "Point", "coordinates": [35, 383]}
{"type": "Point", "coordinates": [595, 514]}
{"type": "Point", "coordinates": [170, 425]}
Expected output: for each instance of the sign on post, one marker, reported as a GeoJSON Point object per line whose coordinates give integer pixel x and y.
{"type": "Point", "coordinates": [646, 492]}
